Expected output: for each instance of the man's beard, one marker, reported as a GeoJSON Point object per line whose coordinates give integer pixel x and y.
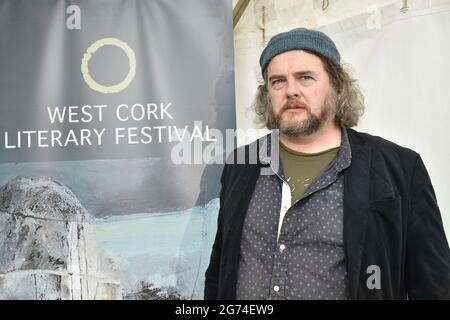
{"type": "Point", "coordinates": [294, 128]}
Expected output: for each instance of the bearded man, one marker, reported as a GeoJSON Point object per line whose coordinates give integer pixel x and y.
{"type": "Point", "coordinates": [346, 215]}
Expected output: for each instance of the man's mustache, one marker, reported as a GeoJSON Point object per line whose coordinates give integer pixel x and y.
{"type": "Point", "coordinates": [295, 104]}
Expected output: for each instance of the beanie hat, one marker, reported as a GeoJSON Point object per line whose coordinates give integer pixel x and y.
{"type": "Point", "coordinates": [298, 39]}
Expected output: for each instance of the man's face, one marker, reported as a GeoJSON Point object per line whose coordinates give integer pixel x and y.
{"type": "Point", "coordinates": [300, 93]}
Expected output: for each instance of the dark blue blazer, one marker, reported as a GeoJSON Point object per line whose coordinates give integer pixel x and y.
{"type": "Point", "coordinates": [391, 220]}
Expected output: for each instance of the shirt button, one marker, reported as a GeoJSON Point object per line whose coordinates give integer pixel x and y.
{"type": "Point", "coordinates": [282, 247]}
{"type": "Point", "coordinates": [276, 288]}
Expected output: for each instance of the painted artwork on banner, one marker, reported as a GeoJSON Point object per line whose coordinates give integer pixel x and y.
{"type": "Point", "coordinates": [112, 129]}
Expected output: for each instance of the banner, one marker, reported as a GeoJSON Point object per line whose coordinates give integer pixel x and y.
{"type": "Point", "coordinates": [113, 116]}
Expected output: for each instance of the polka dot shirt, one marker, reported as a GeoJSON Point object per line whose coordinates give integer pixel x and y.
{"type": "Point", "coordinates": [304, 258]}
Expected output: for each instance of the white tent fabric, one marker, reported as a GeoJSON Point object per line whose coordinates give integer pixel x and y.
{"type": "Point", "coordinates": [403, 69]}
{"type": "Point", "coordinates": [400, 60]}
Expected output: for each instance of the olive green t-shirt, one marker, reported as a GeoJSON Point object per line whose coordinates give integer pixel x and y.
{"type": "Point", "coordinates": [300, 169]}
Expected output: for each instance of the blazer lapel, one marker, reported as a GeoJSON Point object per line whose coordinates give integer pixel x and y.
{"type": "Point", "coordinates": [356, 208]}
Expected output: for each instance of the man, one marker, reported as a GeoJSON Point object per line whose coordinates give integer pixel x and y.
{"type": "Point", "coordinates": [345, 215]}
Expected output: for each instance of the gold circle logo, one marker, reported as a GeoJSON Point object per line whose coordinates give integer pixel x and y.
{"type": "Point", "coordinates": [88, 55]}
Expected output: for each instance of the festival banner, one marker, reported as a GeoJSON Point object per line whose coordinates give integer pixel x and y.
{"type": "Point", "coordinates": [112, 125]}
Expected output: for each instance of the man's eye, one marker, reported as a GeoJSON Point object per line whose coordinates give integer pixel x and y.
{"type": "Point", "coordinates": [277, 82]}
{"type": "Point", "coordinates": [306, 78]}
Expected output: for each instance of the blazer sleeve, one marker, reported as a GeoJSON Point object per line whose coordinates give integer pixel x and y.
{"type": "Point", "coordinates": [213, 270]}
{"type": "Point", "coordinates": [427, 270]}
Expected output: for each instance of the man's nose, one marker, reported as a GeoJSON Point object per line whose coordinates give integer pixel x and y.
{"type": "Point", "coordinates": [292, 90]}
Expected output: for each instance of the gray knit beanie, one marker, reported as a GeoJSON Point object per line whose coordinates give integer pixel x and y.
{"type": "Point", "coordinates": [298, 39]}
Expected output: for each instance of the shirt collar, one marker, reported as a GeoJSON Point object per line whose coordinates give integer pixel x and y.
{"type": "Point", "coordinates": [270, 156]}
{"type": "Point", "coordinates": [344, 155]}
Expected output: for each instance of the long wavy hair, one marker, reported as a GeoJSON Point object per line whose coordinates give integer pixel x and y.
{"type": "Point", "coordinates": [349, 98]}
